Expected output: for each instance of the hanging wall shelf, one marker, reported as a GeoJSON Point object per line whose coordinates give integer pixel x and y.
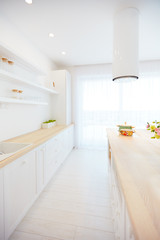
{"type": "Point", "coordinates": [11, 76]}
{"type": "Point", "coordinates": [21, 101]}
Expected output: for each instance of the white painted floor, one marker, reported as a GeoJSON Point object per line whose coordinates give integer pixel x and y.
{"type": "Point", "coordinates": [75, 205]}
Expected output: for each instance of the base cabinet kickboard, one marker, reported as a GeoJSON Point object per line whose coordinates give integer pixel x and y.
{"type": "Point", "coordinates": [23, 180]}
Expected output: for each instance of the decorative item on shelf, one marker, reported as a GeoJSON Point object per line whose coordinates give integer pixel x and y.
{"type": "Point", "coordinates": [126, 130]}
{"type": "Point", "coordinates": [10, 62]}
{"type": "Point", "coordinates": [5, 60]}
{"type": "Point", "coordinates": [154, 127]}
{"type": "Point", "coordinates": [49, 124]}
{"type": "Point", "coordinates": [15, 93]}
{"type": "Point", "coordinates": [4, 63]}
{"type": "Point", "coordinates": [20, 94]}
{"type": "Point", "coordinates": [54, 84]}
{"type": "Point", "coordinates": [10, 66]}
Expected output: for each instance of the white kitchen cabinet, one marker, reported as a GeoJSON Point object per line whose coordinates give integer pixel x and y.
{"type": "Point", "coordinates": [40, 167]}
{"type": "Point", "coordinates": [57, 150]}
{"type": "Point", "coordinates": [128, 228]}
{"type": "Point", "coordinates": [66, 142]}
{"type": "Point", "coordinates": [121, 221]}
{"type": "Point", "coordinates": [19, 190]}
{"type": "Point", "coordinates": [53, 149]}
{"type": "Point", "coordinates": [1, 206]}
{"type": "Point", "coordinates": [23, 180]}
{"type": "Point", "coordinates": [70, 138]}
{"type": "Point", "coordinates": [62, 101]}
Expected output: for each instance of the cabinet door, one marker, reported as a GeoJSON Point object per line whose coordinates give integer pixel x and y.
{"type": "Point", "coordinates": [62, 101]}
{"type": "Point", "coordinates": [52, 156]}
{"type": "Point", "coordinates": [1, 206]}
{"type": "Point", "coordinates": [64, 144]}
{"type": "Point", "coordinates": [68, 99]}
{"type": "Point", "coordinates": [67, 141]}
{"type": "Point", "coordinates": [19, 190]}
{"type": "Point", "coordinates": [40, 162]}
{"type": "Point", "coordinates": [71, 138]}
{"type": "Point", "coordinates": [128, 228]}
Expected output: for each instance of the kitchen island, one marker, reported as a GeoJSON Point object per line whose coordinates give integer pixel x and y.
{"type": "Point", "coordinates": [135, 180]}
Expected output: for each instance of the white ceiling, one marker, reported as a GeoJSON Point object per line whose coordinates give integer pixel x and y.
{"type": "Point", "coordinates": [82, 28]}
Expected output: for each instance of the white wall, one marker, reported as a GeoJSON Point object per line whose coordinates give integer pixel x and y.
{"type": "Point", "coordinates": [13, 39]}
{"type": "Point", "coordinates": [17, 119]}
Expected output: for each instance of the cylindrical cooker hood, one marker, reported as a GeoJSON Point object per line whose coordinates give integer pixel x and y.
{"type": "Point", "coordinates": [125, 45]}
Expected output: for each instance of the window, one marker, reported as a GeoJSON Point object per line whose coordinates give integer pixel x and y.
{"type": "Point", "coordinates": [102, 103]}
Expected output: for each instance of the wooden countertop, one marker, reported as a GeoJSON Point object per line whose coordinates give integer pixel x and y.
{"type": "Point", "coordinates": [137, 161]}
{"type": "Point", "coordinates": [35, 138]}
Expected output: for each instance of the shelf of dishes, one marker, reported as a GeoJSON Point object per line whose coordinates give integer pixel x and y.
{"type": "Point", "coordinates": [21, 101]}
{"type": "Point", "coordinates": [12, 76]}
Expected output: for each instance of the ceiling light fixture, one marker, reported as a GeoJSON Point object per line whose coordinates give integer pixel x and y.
{"type": "Point", "coordinates": [63, 53]}
{"type": "Point", "coordinates": [125, 45]}
{"type": "Point", "coordinates": [51, 35]}
{"type": "Point", "coordinates": [28, 1]}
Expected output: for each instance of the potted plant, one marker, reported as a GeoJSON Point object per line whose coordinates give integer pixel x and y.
{"type": "Point", "coordinates": [49, 124]}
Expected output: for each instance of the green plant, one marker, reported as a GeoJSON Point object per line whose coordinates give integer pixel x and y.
{"type": "Point", "coordinates": [49, 121]}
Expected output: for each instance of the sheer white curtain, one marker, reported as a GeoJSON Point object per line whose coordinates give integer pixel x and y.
{"type": "Point", "coordinates": [99, 102]}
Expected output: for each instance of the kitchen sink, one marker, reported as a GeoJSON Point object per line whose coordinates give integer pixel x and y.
{"type": "Point", "coordinates": [7, 149]}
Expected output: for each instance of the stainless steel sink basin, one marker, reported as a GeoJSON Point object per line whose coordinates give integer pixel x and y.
{"type": "Point", "coordinates": [9, 148]}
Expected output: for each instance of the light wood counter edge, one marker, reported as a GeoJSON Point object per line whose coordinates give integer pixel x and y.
{"type": "Point", "coordinates": [142, 223]}
{"type": "Point", "coordinates": [35, 138]}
